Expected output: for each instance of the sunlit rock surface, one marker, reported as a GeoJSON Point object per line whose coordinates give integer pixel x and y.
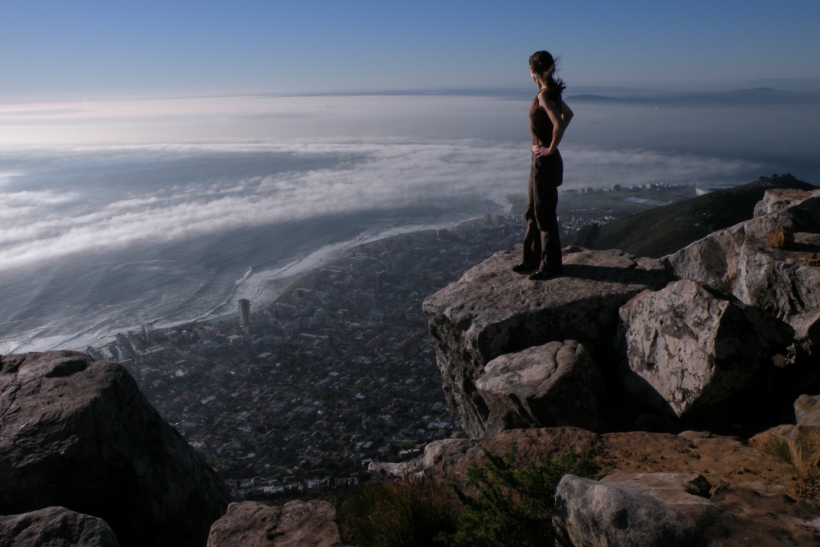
{"type": "Point", "coordinates": [492, 311]}
{"type": "Point", "coordinates": [691, 352]}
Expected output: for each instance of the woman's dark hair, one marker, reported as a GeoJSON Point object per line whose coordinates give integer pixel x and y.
{"type": "Point", "coordinates": [541, 62]}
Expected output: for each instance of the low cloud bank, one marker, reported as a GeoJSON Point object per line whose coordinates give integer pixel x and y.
{"type": "Point", "coordinates": [48, 224]}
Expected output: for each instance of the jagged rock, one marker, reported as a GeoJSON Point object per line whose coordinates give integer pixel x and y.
{"type": "Point", "coordinates": [55, 527]}
{"type": "Point", "coordinates": [715, 261]}
{"type": "Point", "coordinates": [647, 509]}
{"type": "Point", "coordinates": [296, 524]}
{"type": "Point", "coordinates": [804, 440]}
{"type": "Point", "coordinates": [491, 311]}
{"type": "Point", "coordinates": [556, 384]}
{"type": "Point", "coordinates": [778, 199]}
{"type": "Point", "coordinates": [692, 352]}
{"type": "Point", "coordinates": [79, 434]}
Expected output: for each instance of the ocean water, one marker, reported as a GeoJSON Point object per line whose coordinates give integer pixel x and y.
{"type": "Point", "coordinates": [104, 235]}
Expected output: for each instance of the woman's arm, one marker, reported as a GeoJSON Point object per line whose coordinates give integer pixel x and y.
{"type": "Point", "coordinates": [566, 114]}
{"type": "Point", "coordinates": [559, 123]}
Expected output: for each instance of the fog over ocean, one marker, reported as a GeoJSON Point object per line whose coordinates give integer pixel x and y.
{"type": "Point", "coordinates": [159, 212]}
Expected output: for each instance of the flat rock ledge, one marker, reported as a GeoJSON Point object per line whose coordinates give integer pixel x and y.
{"type": "Point", "coordinates": [296, 524]}
{"type": "Point", "coordinates": [556, 384]}
{"type": "Point", "coordinates": [79, 434]}
{"type": "Point", "coordinates": [492, 311]}
{"type": "Point", "coordinates": [55, 527]}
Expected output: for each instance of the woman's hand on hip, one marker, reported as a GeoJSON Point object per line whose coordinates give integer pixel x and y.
{"type": "Point", "coordinates": [540, 151]}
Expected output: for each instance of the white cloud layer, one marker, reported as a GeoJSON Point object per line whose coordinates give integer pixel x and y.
{"type": "Point", "coordinates": [51, 224]}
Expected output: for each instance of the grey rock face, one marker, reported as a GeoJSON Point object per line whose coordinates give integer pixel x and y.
{"type": "Point", "coordinates": [492, 311]}
{"type": "Point", "coordinates": [55, 527]}
{"type": "Point", "coordinates": [79, 434]}
{"type": "Point", "coordinates": [715, 261]}
{"type": "Point", "coordinates": [693, 349]}
{"type": "Point", "coordinates": [556, 384]}
{"type": "Point", "coordinates": [646, 509]}
{"type": "Point", "coordinates": [738, 262]}
{"type": "Point", "coordinates": [296, 524]}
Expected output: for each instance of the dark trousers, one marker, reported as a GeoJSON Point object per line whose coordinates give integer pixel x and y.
{"type": "Point", "coordinates": [542, 245]}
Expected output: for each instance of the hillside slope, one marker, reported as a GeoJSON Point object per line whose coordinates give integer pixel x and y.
{"type": "Point", "coordinates": [664, 230]}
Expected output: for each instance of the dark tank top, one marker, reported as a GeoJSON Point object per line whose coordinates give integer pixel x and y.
{"type": "Point", "coordinates": [540, 125]}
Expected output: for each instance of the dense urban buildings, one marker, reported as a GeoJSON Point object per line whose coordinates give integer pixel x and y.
{"type": "Point", "coordinates": [337, 372]}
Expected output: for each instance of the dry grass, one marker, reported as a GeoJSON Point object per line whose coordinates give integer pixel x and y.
{"type": "Point", "coordinates": [407, 513]}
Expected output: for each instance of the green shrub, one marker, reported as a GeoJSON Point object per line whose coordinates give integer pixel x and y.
{"type": "Point", "coordinates": [514, 506]}
{"type": "Point", "coordinates": [779, 449]}
{"type": "Point", "coordinates": [410, 513]}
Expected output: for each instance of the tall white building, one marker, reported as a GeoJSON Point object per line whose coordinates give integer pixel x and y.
{"type": "Point", "coordinates": [244, 312]}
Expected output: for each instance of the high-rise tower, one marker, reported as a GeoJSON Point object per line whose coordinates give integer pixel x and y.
{"type": "Point", "coordinates": [244, 312]}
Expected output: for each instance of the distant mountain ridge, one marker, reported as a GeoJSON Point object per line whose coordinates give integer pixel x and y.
{"type": "Point", "coordinates": [759, 96]}
{"type": "Point", "coordinates": [665, 230]}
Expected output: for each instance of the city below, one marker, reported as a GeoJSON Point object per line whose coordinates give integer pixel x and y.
{"type": "Point", "coordinates": [339, 371]}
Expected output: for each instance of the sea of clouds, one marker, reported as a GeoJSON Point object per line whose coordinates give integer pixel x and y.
{"type": "Point", "coordinates": [119, 213]}
{"type": "Point", "coordinates": [51, 223]}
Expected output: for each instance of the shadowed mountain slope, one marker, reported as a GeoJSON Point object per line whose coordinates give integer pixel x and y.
{"type": "Point", "coordinates": [664, 230]}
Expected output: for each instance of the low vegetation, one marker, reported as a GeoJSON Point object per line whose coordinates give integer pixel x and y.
{"type": "Point", "coordinates": [779, 449]}
{"type": "Point", "coordinates": [503, 506]}
{"type": "Point", "coordinates": [408, 513]}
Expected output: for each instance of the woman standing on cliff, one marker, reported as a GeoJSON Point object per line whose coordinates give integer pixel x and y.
{"type": "Point", "coordinates": [549, 118]}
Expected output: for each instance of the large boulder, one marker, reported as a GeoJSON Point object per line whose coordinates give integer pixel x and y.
{"type": "Point", "coordinates": [492, 311]}
{"type": "Point", "coordinates": [79, 434]}
{"type": "Point", "coordinates": [556, 384]}
{"type": "Point", "coordinates": [690, 352]}
{"type": "Point", "coordinates": [296, 524]}
{"type": "Point", "coordinates": [647, 509]}
{"type": "Point", "coordinates": [55, 527]}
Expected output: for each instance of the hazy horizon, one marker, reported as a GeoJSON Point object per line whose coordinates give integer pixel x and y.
{"type": "Point", "coordinates": [151, 155]}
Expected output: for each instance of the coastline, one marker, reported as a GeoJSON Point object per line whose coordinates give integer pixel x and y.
{"type": "Point", "coordinates": [284, 279]}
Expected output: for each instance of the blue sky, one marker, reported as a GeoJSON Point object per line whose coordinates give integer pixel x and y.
{"type": "Point", "coordinates": [96, 49]}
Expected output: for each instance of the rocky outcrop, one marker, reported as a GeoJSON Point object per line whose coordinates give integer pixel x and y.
{"type": "Point", "coordinates": [55, 527]}
{"type": "Point", "coordinates": [450, 458]}
{"type": "Point", "coordinates": [757, 494]}
{"type": "Point", "coordinates": [556, 384]}
{"type": "Point", "coordinates": [737, 311]}
{"type": "Point", "coordinates": [783, 280]}
{"type": "Point", "coordinates": [692, 352]}
{"type": "Point", "coordinates": [296, 524]}
{"type": "Point", "coordinates": [776, 200]}
{"type": "Point", "coordinates": [79, 434]}
{"type": "Point", "coordinates": [721, 260]}
{"type": "Point", "coordinates": [647, 509]}
{"type": "Point", "coordinates": [492, 311]}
